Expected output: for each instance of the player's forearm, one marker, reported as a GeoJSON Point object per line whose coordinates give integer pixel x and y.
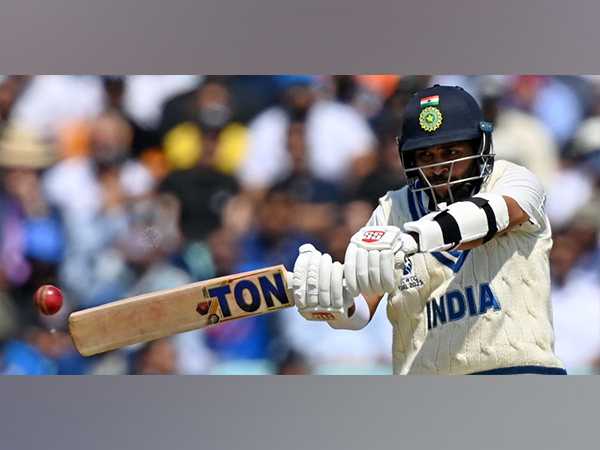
{"type": "Point", "coordinates": [463, 246]}
{"type": "Point", "coordinates": [470, 245]}
{"type": "Point", "coordinates": [478, 218]}
{"type": "Point", "coordinates": [510, 209]}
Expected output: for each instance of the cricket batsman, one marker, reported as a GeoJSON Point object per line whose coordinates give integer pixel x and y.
{"type": "Point", "coordinates": [460, 254]}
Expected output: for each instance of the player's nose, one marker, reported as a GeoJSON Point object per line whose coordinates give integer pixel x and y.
{"type": "Point", "coordinates": [440, 170]}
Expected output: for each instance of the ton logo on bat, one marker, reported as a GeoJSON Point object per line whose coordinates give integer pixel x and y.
{"type": "Point", "coordinates": [248, 294]}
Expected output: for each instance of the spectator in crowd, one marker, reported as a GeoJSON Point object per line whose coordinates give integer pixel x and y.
{"type": "Point", "coordinates": [203, 191]}
{"type": "Point", "coordinates": [519, 136]}
{"type": "Point", "coordinates": [105, 178]}
{"type": "Point", "coordinates": [387, 174]}
{"type": "Point", "coordinates": [142, 138]}
{"type": "Point", "coordinates": [11, 88]}
{"type": "Point", "coordinates": [558, 107]}
{"type": "Point", "coordinates": [201, 122]}
{"type": "Point", "coordinates": [49, 102]}
{"type": "Point", "coordinates": [575, 266]}
{"type": "Point", "coordinates": [202, 146]}
{"type": "Point", "coordinates": [578, 180]}
{"type": "Point", "coordinates": [275, 235]}
{"type": "Point", "coordinates": [32, 353]}
{"type": "Point", "coordinates": [339, 141]}
{"type": "Point", "coordinates": [315, 201]}
{"type": "Point", "coordinates": [144, 96]}
{"type": "Point", "coordinates": [32, 241]}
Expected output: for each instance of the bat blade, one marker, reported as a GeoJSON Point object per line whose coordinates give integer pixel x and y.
{"type": "Point", "coordinates": [163, 313]}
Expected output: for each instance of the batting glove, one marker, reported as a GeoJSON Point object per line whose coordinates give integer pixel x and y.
{"type": "Point", "coordinates": [375, 258]}
{"type": "Point", "coordinates": [317, 285]}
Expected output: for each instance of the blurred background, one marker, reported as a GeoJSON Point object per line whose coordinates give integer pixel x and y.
{"type": "Point", "coordinates": [112, 186]}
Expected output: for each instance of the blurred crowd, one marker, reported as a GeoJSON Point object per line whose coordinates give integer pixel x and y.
{"type": "Point", "coordinates": [112, 186]}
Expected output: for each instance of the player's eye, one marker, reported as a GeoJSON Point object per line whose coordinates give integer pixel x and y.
{"type": "Point", "coordinates": [425, 157]}
{"type": "Point", "coordinates": [454, 152]}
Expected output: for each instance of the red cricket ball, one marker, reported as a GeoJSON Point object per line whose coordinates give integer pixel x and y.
{"type": "Point", "coordinates": [48, 299]}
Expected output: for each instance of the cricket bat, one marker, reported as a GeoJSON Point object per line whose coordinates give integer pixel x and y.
{"type": "Point", "coordinates": [193, 306]}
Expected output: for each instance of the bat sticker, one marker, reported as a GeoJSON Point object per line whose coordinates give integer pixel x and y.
{"type": "Point", "coordinates": [203, 307]}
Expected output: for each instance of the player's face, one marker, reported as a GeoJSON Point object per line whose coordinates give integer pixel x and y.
{"type": "Point", "coordinates": [440, 171]}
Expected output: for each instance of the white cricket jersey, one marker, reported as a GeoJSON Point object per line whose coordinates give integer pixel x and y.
{"type": "Point", "coordinates": [477, 310]}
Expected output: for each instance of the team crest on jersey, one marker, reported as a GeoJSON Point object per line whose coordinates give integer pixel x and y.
{"type": "Point", "coordinates": [372, 236]}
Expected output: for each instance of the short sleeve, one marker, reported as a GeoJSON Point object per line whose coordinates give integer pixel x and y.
{"type": "Point", "coordinates": [377, 217]}
{"type": "Point", "coordinates": [522, 185]}
{"type": "Point", "coordinates": [390, 210]}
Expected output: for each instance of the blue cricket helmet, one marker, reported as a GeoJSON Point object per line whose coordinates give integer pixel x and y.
{"type": "Point", "coordinates": [441, 115]}
{"type": "Point", "coordinates": [460, 118]}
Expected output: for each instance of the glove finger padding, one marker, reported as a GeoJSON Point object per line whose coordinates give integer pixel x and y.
{"type": "Point", "coordinates": [312, 280]}
{"type": "Point", "coordinates": [350, 269]}
{"type": "Point", "coordinates": [300, 274]}
{"type": "Point", "coordinates": [389, 274]}
{"type": "Point", "coordinates": [362, 271]}
{"type": "Point", "coordinates": [375, 271]}
{"type": "Point", "coordinates": [325, 267]}
{"type": "Point", "coordinates": [337, 289]}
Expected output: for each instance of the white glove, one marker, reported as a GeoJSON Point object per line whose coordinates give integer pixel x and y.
{"type": "Point", "coordinates": [375, 258]}
{"type": "Point", "coordinates": [317, 285]}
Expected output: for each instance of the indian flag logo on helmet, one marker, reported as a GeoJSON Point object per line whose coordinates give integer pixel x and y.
{"type": "Point", "coordinates": [430, 119]}
{"type": "Point", "coordinates": [432, 100]}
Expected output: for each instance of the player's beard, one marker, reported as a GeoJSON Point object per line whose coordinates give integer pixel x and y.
{"type": "Point", "coordinates": [460, 191]}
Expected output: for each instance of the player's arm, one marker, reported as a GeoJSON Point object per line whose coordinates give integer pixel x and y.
{"type": "Point", "coordinates": [518, 198]}
{"type": "Point", "coordinates": [516, 216]}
